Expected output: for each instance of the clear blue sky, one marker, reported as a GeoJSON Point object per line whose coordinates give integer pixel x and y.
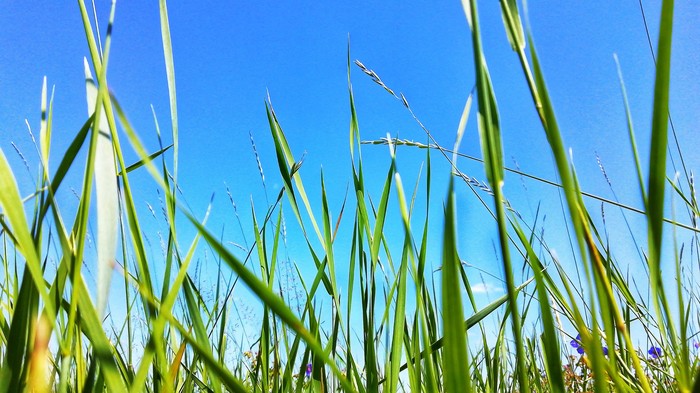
{"type": "Point", "coordinates": [228, 57]}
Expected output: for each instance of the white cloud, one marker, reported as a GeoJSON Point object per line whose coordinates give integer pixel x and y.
{"type": "Point", "coordinates": [486, 288]}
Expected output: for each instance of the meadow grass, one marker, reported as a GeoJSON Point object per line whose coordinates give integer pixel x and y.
{"type": "Point", "coordinates": [412, 329]}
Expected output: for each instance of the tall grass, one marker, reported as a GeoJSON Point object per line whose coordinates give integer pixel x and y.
{"type": "Point", "coordinates": [412, 329]}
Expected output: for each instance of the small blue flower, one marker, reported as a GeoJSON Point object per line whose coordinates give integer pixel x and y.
{"type": "Point", "coordinates": [576, 343]}
{"type": "Point", "coordinates": [696, 344]}
{"type": "Point", "coordinates": [655, 352]}
{"type": "Point", "coordinates": [308, 370]}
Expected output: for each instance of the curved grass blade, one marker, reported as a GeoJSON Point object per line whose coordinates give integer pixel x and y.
{"type": "Point", "coordinates": [578, 213]}
{"type": "Point", "coordinates": [288, 167]}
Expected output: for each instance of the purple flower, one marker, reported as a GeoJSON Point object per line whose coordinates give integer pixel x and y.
{"type": "Point", "coordinates": [308, 370]}
{"type": "Point", "coordinates": [696, 344]}
{"type": "Point", "coordinates": [576, 343]}
{"type": "Point", "coordinates": [655, 352]}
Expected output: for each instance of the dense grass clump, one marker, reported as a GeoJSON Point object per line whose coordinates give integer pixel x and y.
{"type": "Point", "coordinates": [409, 331]}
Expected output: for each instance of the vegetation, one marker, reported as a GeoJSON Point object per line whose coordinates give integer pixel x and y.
{"type": "Point", "coordinates": [413, 329]}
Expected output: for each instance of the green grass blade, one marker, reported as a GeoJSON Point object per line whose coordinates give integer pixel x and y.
{"type": "Point", "coordinates": [170, 73]}
{"type": "Point", "coordinates": [13, 212]}
{"type": "Point", "coordinates": [630, 130]}
{"type": "Point", "coordinates": [271, 299]}
{"type": "Point", "coordinates": [381, 216]}
{"type": "Point", "coordinates": [455, 360]}
{"type": "Point", "coordinates": [514, 27]}
{"type": "Point", "coordinates": [492, 150]}
{"type": "Point", "coordinates": [657, 174]}
{"type": "Point", "coordinates": [288, 167]}
{"type": "Point", "coordinates": [397, 339]}
{"type": "Point", "coordinates": [552, 351]}
{"type": "Point", "coordinates": [577, 213]}
{"type": "Point", "coordinates": [140, 163]}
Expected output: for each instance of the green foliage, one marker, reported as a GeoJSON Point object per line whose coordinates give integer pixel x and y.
{"type": "Point", "coordinates": [53, 336]}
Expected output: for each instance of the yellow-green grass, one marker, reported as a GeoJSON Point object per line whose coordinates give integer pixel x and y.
{"type": "Point", "coordinates": [52, 337]}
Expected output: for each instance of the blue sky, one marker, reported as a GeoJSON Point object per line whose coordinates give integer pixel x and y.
{"type": "Point", "coordinates": [228, 57]}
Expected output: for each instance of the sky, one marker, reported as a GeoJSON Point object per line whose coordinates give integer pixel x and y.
{"type": "Point", "coordinates": [229, 57]}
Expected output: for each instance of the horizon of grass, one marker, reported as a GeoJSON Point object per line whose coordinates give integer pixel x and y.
{"type": "Point", "coordinates": [54, 335]}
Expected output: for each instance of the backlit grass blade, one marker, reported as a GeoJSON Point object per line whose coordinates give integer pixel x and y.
{"type": "Point", "coordinates": [492, 150]}
{"type": "Point", "coordinates": [657, 180]}
{"type": "Point", "coordinates": [630, 130]}
{"type": "Point", "coordinates": [659, 137]}
{"type": "Point", "coordinates": [397, 339]}
{"type": "Point", "coordinates": [455, 360]}
{"type": "Point", "coordinates": [66, 163]}
{"type": "Point", "coordinates": [376, 239]}
{"type": "Point", "coordinates": [288, 166]}
{"type": "Point", "coordinates": [201, 335]}
{"type": "Point", "coordinates": [107, 199]}
{"type": "Point", "coordinates": [171, 194]}
{"type": "Point", "coordinates": [328, 240]}
{"type": "Point", "coordinates": [15, 367]}
{"type": "Point", "coordinates": [354, 126]}
{"type": "Point", "coordinates": [100, 65]}
{"type": "Point", "coordinates": [357, 171]}
{"type": "Point", "coordinates": [170, 73]}
{"type": "Point", "coordinates": [13, 212]}
{"type": "Point", "coordinates": [102, 350]}
{"type": "Point", "coordinates": [514, 27]}
{"type": "Point", "coordinates": [45, 131]}
{"type": "Point", "coordinates": [577, 213]}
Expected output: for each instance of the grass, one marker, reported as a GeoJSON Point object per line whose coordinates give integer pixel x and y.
{"type": "Point", "coordinates": [53, 336]}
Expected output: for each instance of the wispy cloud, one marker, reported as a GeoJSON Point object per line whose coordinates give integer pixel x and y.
{"type": "Point", "coordinates": [486, 288]}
